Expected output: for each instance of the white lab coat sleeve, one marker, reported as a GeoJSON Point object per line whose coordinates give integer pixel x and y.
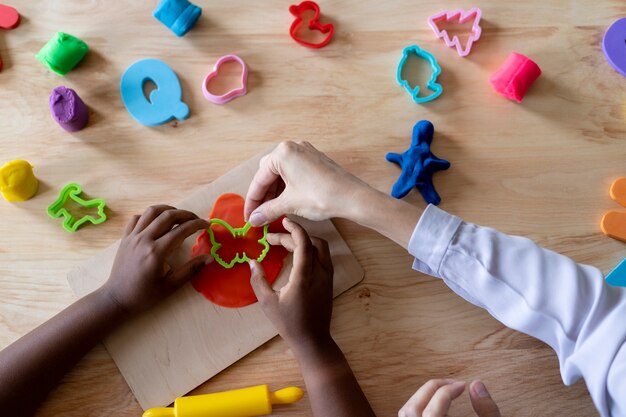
{"type": "Point", "coordinates": [536, 291]}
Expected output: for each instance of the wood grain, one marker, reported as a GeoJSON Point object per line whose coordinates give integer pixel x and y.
{"type": "Point", "coordinates": [540, 169]}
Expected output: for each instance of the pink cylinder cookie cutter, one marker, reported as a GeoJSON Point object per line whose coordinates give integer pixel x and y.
{"type": "Point", "coordinates": [462, 16]}
{"type": "Point", "coordinates": [232, 94]}
{"type": "Point", "coordinates": [515, 76]}
{"type": "Point", "coordinates": [67, 109]}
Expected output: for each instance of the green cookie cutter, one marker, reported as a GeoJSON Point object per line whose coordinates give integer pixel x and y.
{"type": "Point", "coordinates": [71, 223]}
{"type": "Point", "coordinates": [236, 232]}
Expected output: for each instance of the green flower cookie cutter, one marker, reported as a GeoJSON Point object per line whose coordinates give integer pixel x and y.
{"type": "Point", "coordinates": [71, 223]}
{"type": "Point", "coordinates": [236, 232]}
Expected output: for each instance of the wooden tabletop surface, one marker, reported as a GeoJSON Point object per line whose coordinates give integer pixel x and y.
{"type": "Point", "coordinates": [539, 169]}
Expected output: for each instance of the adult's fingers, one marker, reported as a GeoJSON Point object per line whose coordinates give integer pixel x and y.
{"type": "Point", "coordinates": [175, 237]}
{"type": "Point", "coordinates": [166, 221]}
{"type": "Point", "coordinates": [440, 403]}
{"type": "Point", "coordinates": [189, 269]}
{"type": "Point", "coordinates": [130, 226]}
{"type": "Point", "coordinates": [149, 215]}
{"type": "Point", "coordinates": [418, 401]}
{"type": "Point", "coordinates": [270, 210]}
{"type": "Point", "coordinates": [262, 181]}
{"type": "Point", "coordinates": [482, 402]}
{"type": "Point", "coordinates": [264, 293]}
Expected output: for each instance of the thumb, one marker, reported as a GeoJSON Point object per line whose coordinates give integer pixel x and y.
{"type": "Point", "coordinates": [189, 269]}
{"type": "Point", "coordinates": [482, 402]}
{"type": "Point", "coordinates": [260, 286]}
{"type": "Point", "coordinates": [269, 211]}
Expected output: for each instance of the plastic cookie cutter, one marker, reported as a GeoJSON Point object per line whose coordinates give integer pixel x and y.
{"type": "Point", "coordinates": [245, 402]}
{"type": "Point", "coordinates": [237, 92]}
{"type": "Point", "coordinates": [462, 16]}
{"type": "Point", "coordinates": [62, 53]}
{"type": "Point", "coordinates": [165, 101]}
{"type": "Point", "coordinates": [614, 45]}
{"type": "Point", "coordinates": [178, 15]}
{"type": "Point", "coordinates": [314, 24]}
{"type": "Point", "coordinates": [72, 191]}
{"type": "Point", "coordinates": [437, 89]}
{"type": "Point", "coordinates": [516, 75]}
{"type": "Point", "coordinates": [617, 277]}
{"type": "Point", "coordinates": [236, 232]}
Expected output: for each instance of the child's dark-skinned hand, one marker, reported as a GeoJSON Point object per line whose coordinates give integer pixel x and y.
{"type": "Point", "coordinates": [302, 309]}
{"type": "Point", "coordinates": [141, 275]}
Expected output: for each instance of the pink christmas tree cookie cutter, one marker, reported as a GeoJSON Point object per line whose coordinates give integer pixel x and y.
{"type": "Point", "coordinates": [462, 16]}
{"type": "Point", "coordinates": [232, 94]}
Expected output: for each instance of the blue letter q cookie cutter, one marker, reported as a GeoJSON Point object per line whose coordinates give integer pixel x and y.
{"type": "Point", "coordinates": [165, 101]}
{"type": "Point", "coordinates": [432, 85]}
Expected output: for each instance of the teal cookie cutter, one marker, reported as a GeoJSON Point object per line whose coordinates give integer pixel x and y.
{"type": "Point", "coordinates": [71, 223]}
{"type": "Point", "coordinates": [432, 84]}
{"type": "Point", "coordinates": [236, 232]}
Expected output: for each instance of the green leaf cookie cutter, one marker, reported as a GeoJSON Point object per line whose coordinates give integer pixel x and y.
{"type": "Point", "coordinates": [236, 232]}
{"type": "Point", "coordinates": [72, 223]}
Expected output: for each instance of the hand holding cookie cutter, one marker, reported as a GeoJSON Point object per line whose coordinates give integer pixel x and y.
{"type": "Point", "coordinates": [237, 92]}
{"type": "Point", "coordinates": [462, 17]}
{"type": "Point", "coordinates": [237, 232]}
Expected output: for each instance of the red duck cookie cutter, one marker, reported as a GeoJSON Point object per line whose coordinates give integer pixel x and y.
{"type": "Point", "coordinates": [314, 24]}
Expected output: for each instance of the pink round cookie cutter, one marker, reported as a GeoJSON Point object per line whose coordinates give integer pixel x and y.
{"type": "Point", "coordinates": [232, 94]}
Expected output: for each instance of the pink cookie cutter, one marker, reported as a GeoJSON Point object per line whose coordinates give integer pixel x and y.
{"type": "Point", "coordinates": [515, 76]}
{"type": "Point", "coordinates": [237, 92]}
{"type": "Point", "coordinates": [462, 16]}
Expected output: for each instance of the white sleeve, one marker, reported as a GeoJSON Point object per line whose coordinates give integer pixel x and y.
{"type": "Point", "coordinates": [536, 291]}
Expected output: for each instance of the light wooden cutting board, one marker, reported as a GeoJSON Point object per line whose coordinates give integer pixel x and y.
{"type": "Point", "coordinates": [176, 346]}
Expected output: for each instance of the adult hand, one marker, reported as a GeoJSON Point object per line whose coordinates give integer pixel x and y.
{"type": "Point", "coordinates": [296, 178]}
{"type": "Point", "coordinates": [141, 275]}
{"type": "Point", "coordinates": [302, 309]}
{"type": "Point", "coordinates": [435, 397]}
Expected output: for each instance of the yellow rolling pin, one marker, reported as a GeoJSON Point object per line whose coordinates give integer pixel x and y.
{"type": "Point", "coordinates": [245, 402]}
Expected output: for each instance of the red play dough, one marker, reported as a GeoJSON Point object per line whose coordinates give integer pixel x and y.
{"type": "Point", "coordinates": [231, 287]}
{"type": "Point", "coordinates": [9, 17]}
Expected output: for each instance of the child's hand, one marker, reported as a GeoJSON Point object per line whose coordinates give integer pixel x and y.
{"type": "Point", "coordinates": [435, 397]}
{"type": "Point", "coordinates": [302, 309]}
{"type": "Point", "coordinates": [141, 276]}
{"type": "Point", "coordinates": [296, 178]}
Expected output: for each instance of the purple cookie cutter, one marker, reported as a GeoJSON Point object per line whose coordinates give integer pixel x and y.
{"type": "Point", "coordinates": [462, 16]}
{"type": "Point", "coordinates": [614, 45]}
{"type": "Point", "coordinates": [237, 92]}
{"type": "Point", "coordinates": [67, 109]}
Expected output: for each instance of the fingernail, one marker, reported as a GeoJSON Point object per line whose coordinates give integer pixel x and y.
{"type": "Point", "coordinates": [480, 389]}
{"type": "Point", "coordinates": [257, 219]}
{"type": "Point", "coordinates": [251, 263]}
{"type": "Point", "coordinates": [208, 260]}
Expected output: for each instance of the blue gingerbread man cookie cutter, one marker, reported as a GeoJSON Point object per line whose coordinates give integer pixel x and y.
{"type": "Point", "coordinates": [418, 165]}
{"type": "Point", "coordinates": [165, 101]}
{"type": "Point", "coordinates": [437, 89]}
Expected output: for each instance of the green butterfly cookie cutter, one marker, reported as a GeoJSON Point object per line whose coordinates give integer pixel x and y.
{"type": "Point", "coordinates": [236, 232]}
{"type": "Point", "coordinates": [72, 191]}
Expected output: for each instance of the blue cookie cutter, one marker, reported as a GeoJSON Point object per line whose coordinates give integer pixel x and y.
{"type": "Point", "coordinates": [418, 165]}
{"type": "Point", "coordinates": [165, 101]}
{"type": "Point", "coordinates": [178, 15]}
{"type": "Point", "coordinates": [617, 277]}
{"type": "Point", "coordinates": [432, 85]}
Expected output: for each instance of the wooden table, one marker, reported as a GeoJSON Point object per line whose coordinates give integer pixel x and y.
{"type": "Point", "coordinates": [539, 169]}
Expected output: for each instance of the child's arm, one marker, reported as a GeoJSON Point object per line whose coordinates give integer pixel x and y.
{"type": "Point", "coordinates": [32, 366]}
{"type": "Point", "coordinates": [301, 312]}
